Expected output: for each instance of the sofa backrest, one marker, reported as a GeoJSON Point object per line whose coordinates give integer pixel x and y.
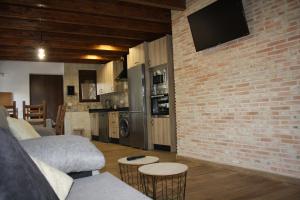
{"type": "Point", "coordinates": [20, 177]}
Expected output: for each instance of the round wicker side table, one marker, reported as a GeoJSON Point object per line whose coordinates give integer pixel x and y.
{"type": "Point", "coordinates": [129, 169]}
{"type": "Point", "coordinates": [164, 181]}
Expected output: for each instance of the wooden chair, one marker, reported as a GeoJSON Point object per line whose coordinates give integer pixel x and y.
{"type": "Point", "coordinates": [57, 128]}
{"type": "Point", "coordinates": [12, 110]}
{"type": "Point", "coordinates": [60, 119]}
{"type": "Point", "coordinates": [35, 114]}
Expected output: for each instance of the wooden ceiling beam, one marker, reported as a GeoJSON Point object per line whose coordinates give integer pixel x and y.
{"type": "Point", "coordinates": [60, 60]}
{"type": "Point", "coordinates": [16, 52]}
{"type": "Point", "coordinates": [112, 8]}
{"type": "Point", "coordinates": [42, 15]}
{"type": "Point", "coordinates": [60, 45]}
{"type": "Point", "coordinates": [48, 36]}
{"type": "Point", "coordinates": [167, 4]}
{"type": "Point", "coordinates": [34, 25]}
{"type": "Point", "coordinates": [62, 51]}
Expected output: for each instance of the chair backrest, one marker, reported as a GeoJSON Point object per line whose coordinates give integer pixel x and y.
{"type": "Point", "coordinates": [35, 114]}
{"type": "Point", "coordinates": [60, 118]}
{"type": "Point", "coordinates": [12, 110]}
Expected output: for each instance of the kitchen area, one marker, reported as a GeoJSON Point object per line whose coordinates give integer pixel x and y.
{"type": "Point", "coordinates": [137, 97]}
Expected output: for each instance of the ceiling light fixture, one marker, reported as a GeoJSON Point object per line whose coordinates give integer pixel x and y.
{"type": "Point", "coordinates": [41, 53]}
{"type": "Point", "coordinates": [92, 57]}
{"type": "Point", "coordinates": [109, 48]}
{"type": "Point", "coordinates": [105, 47]}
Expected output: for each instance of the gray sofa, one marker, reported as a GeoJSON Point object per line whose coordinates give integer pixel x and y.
{"type": "Point", "coordinates": [74, 155]}
{"type": "Point", "coordinates": [102, 186]}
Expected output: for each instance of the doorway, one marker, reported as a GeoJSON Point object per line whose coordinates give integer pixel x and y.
{"type": "Point", "coordinates": [48, 88]}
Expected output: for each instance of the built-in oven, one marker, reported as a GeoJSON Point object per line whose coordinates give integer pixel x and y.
{"type": "Point", "coordinates": [160, 105]}
{"type": "Point", "coordinates": [159, 91]}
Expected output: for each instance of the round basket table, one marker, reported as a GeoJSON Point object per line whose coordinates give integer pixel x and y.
{"type": "Point", "coordinates": [129, 169]}
{"type": "Point", "coordinates": [164, 181]}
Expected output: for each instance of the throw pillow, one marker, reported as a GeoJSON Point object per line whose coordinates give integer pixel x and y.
{"type": "Point", "coordinates": [60, 182]}
{"type": "Point", "coordinates": [21, 129]}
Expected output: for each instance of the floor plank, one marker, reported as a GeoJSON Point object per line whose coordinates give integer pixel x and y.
{"type": "Point", "coordinates": [207, 182]}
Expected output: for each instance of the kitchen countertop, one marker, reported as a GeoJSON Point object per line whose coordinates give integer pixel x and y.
{"type": "Point", "coordinates": [108, 110]}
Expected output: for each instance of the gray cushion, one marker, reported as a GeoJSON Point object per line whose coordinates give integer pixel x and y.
{"type": "Point", "coordinates": [66, 153]}
{"type": "Point", "coordinates": [103, 186]}
{"type": "Point", "coordinates": [3, 116]}
{"type": "Point", "coordinates": [20, 177]}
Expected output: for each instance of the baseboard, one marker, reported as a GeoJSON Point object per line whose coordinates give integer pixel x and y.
{"type": "Point", "coordinates": [277, 177]}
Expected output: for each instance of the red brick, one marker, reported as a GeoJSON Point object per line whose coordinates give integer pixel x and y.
{"type": "Point", "coordinates": [252, 113]}
{"type": "Point", "coordinates": [295, 67]}
{"type": "Point", "coordinates": [296, 37]}
{"type": "Point", "coordinates": [281, 108]}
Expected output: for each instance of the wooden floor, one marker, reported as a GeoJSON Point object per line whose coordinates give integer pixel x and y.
{"type": "Point", "coordinates": [210, 182]}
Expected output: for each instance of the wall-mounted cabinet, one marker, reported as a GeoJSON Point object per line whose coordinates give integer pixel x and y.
{"type": "Point", "coordinates": [158, 52]}
{"type": "Point", "coordinates": [136, 55]}
{"type": "Point", "coordinates": [106, 75]}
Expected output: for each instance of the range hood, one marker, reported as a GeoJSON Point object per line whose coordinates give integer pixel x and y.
{"type": "Point", "coordinates": [123, 75]}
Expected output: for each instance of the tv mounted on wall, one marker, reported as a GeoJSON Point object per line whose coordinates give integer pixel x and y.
{"type": "Point", "coordinates": [219, 22]}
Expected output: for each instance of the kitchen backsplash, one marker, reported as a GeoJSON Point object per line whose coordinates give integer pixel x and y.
{"type": "Point", "coordinates": [120, 99]}
{"type": "Point", "coordinates": [71, 78]}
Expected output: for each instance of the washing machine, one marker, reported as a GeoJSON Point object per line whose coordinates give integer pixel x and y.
{"type": "Point", "coordinates": [123, 128]}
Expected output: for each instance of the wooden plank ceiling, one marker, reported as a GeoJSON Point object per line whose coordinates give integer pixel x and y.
{"type": "Point", "coordinates": [81, 31]}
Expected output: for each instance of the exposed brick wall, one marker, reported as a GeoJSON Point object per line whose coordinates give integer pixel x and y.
{"type": "Point", "coordinates": [239, 103]}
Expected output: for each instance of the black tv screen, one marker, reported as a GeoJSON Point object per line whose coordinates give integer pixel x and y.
{"type": "Point", "coordinates": [219, 22]}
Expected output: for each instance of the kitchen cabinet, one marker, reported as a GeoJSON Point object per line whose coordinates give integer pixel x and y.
{"type": "Point", "coordinates": [94, 124]}
{"type": "Point", "coordinates": [158, 52]}
{"type": "Point", "coordinates": [113, 124]}
{"type": "Point", "coordinates": [103, 127]}
{"type": "Point", "coordinates": [106, 75]}
{"type": "Point", "coordinates": [136, 55]}
{"type": "Point", "coordinates": [161, 131]}
{"type": "Point", "coordinates": [76, 121]}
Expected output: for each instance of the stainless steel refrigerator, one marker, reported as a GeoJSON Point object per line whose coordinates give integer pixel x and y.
{"type": "Point", "coordinates": [137, 107]}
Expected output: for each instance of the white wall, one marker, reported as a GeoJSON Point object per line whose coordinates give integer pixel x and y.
{"type": "Point", "coordinates": [16, 77]}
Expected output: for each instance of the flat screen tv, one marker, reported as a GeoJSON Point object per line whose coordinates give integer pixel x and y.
{"type": "Point", "coordinates": [219, 22]}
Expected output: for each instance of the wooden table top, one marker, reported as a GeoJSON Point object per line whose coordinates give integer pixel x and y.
{"type": "Point", "coordinates": [163, 169]}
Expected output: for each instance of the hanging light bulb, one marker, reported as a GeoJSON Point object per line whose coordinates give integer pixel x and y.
{"type": "Point", "coordinates": [41, 53]}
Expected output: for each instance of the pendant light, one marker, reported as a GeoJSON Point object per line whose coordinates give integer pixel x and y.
{"type": "Point", "coordinates": [41, 51]}
{"type": "Point", "coordinates": [41, 54]}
